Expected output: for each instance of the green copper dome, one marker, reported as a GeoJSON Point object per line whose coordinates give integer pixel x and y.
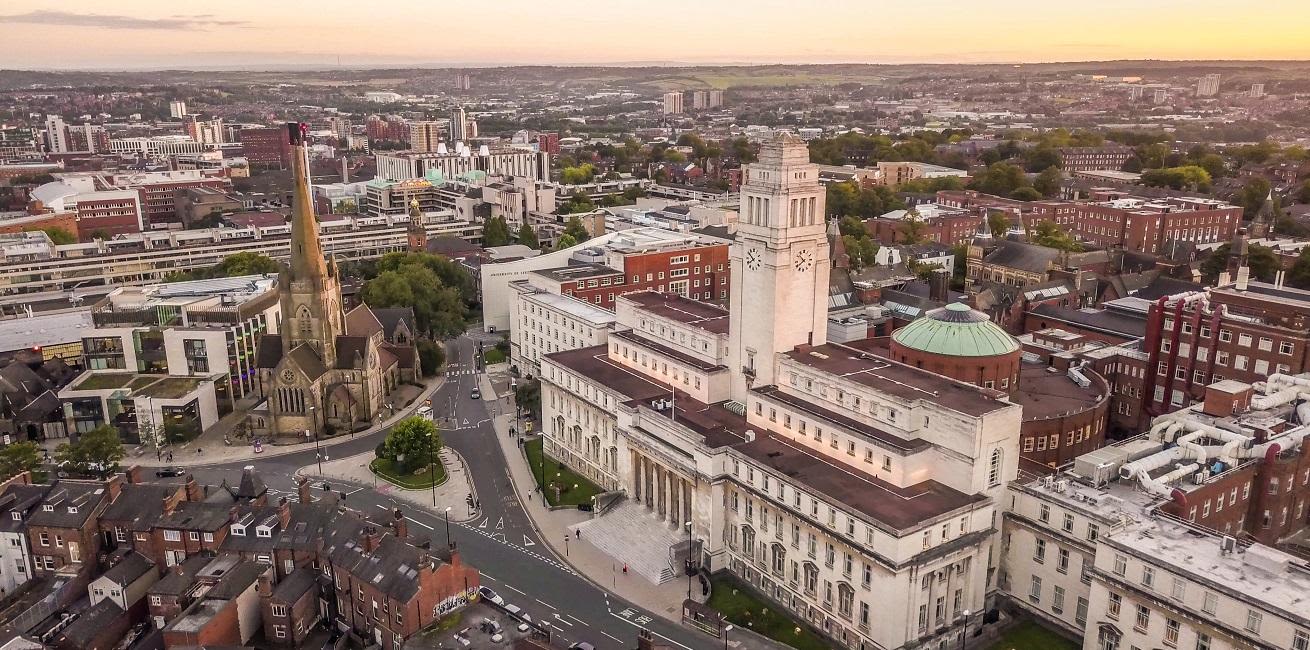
{"type": "Point", "coordinates": [957, 331]}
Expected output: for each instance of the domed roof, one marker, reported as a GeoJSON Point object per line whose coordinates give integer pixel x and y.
{"type": "Point", "coordinates": [956, 330]}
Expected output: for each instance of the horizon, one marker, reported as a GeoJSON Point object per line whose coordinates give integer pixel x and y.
{"type": "Point", "coordinates": [149, 34]}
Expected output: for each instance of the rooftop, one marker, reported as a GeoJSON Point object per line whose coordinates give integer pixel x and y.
{"type": "Point", "coordinates": [711, 318]}
{"type": "Point", "coordinates": [956, 330]}
{"type": "Point", "coordinates": [1044, 395]}
{"type": "Point", "coordinates": [43, 330]}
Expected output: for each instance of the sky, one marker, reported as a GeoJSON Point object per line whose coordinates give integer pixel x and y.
{"type": "Point", "coordinates": [50, 34]}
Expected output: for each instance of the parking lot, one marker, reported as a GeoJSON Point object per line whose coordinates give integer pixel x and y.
{"type": "Point", "coordinates": [481, 625]}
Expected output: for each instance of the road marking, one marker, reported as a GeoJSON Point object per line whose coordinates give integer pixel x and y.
{"type": "Point", "coordinates": [528, 542]}
{"type": "Point", "coordinates": [422, 524]}
{"type": "Point", "coordinates": [578, 620]}
{"type": "Point", "coordinates": [510, 586]}
{"type": "Point", "coordinates": [500, 525]}
{"type": "Point", "coordinates": [545, 603]}
{"type": "Point", "coordinates": [611, 636]}
{"type": "Point", "coordinates": [483, 525]}
{"type": "Point", "coordinates": [557, 617]}
{"type": "Point", "coordinates": [680, 645]}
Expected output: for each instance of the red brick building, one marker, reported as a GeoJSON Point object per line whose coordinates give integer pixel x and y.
{"type": "Point", "coordinates": [1145, 225]}
{"type": "Point", "coordinates": [109, 213]}
{"type": "Point", "coordinates": [266, 146]}
{"type": "Point", "coordinates": [1241, 331]}
{"type": "Point", "coordinates": [64, 532]}
{"type": "Point", "coordinates": [698, 271]}
{"type": "Point", "coordinates": [947, 226]}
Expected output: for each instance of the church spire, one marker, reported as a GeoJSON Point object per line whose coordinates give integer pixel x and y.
{"type": "Point", "coordinates": [1263, 224]}
{"type": "Point", "coordinates": [307, 260]}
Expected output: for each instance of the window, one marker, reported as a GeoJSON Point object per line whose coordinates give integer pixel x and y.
{"type": "Point", "coordinates": [1067, 526]}
{"type": "Point", "coordinates": [1112, 606]}
{"type": "Point", "coordinates": [1044, 513]}
{"type": "Point", "coordinates": [1080, 613]}
{"type": "Point", "coordinates": [1143, 619]}
{"type": "Point", "coordinates": [1093, 531]}
{"type": "Point", "coordinates": [194, 535]}
{"type": "Point", "coordinates": [1057, 600]}
{"type": "Point", "coordinates": [1062, 560]}
{"type": "Point", "coordinates": [1301, 640]}
{"type": "Point", "coordinates": [1039, 551]}
{"type": "Point", "coordinates": [1202, 641]}
{"type": "Point", "coordinates": [1035, 590]}
{"type": "Point", "coordinates": [156, 600]}
{"type": "Point", "coordinates": [1253, 619]}
{"type": "Point", "coordinates": [1120, 565]}
{"type": "Point", "coordinates": [172, 536]}
{"type": "Point", "coordinates": [1179, 586]}
{"type": "Point", "coordinates": [1148, 576]}
{"type": "Point", "coordinates": [1171, 632]}
{"type": "Point", "coordinates": [993, 468]}
{"type": "Point", "coordinates": [280, 611]}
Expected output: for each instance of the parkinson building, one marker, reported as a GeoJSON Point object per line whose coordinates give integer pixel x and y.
{"type": "Point", "coordinates": [860, 493]}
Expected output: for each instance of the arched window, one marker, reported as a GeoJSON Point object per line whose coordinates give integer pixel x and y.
{"type": "Point", "coordinates": [304, 322]}
{"type": "Point", "coordinates": [778, 558]}
{"type": "Point", "coordinates": [845, 600]}
{"type": "Point", "coordinates": [811, 578]}
{"type": "Point", "coordinates": [994, 469]}
{"type": "Point", "coordinates": [748, 541]}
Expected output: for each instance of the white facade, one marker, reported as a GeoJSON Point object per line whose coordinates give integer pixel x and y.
{"type": "Point", "coordinates": [15, 560]}
{"type": "Point", "coordinates": [177, 108]}
{"type": "Point", "coordinates": [548, 322]}
{"type": "Point", "coordinates": [672, 103]}
{"type": "Point", "coordinates": [56, 134]}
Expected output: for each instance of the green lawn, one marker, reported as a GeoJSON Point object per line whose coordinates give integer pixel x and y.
{"type": "Point", "coordinates": [492, 355]}
{"type": "Point", "coordinates": [387, 470]}
{"type": "Point", "coordinates": [574, 488]}
{"type": "Point", "coordinates": [1028, 635]}
{"type": "Point", "coordinates": [743, 609]}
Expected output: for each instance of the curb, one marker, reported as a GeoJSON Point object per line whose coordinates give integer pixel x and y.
{"type": "Point", "coordinates": [475, 515]}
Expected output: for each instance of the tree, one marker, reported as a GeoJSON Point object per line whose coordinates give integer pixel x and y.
{"type": "Point", "coordinates": [495, 232]}
{"type": "Point", "coordinates": [528, 237]}
{"type": "Point", "coordinates": [19, 457]}
{"type": "Point", "coordinates": [1026, 194]}
{"type": "Point", "coordinates": [452, 273]}
{"type": "Point", "coordinates": [412, 443]}
{"type": "Point", "coordinates": [59, 236]}
{"type": "Point", "coordinates": [1000, 179]}
{"type": "Point", "coordinates": [999, 222]}
{"type": "Point", "coordinates": [1212, 163]}
{"type": "Point", "coordinates": [578, 202]}
{"type": "Point", "coordinates": [1039, 158]}
{"type": "Point", "coordinates": [1048, 182]}
{"type": "Point", "coordinates": [1186, 177]}
{"type": "Point", "coordinates": [565, 241]}
{"type": "Point", "coordinates": [1048, 234]}
{"type": "Point", "coordinates": [576, 230]}
{"type": "Point", "coordinates": [577, 175]}
{"type": "Point", "coordinates": [431, 356]}
{"type": "Point", "coordinates": [1303, 194]}
{"type": "Point", "coordinates": [1262, 262]}
{"type": "Point", "coordinates": [527, 395]}
{"type": "Point", "coordinates": [347, 206]}
{"type": "Point", "coordinates": [439, 309]}
{"type": "Point", "coordinates": [96, 452]}
{"type": "Point", "coordinates": [246, 263]}
{"type": "Point", "coordinates": [1253, 196]}
{"type": "Point", "coordinates": [912, 230]}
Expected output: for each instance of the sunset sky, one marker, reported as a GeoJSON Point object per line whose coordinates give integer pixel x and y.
{"type": "Point", "coordinates": [153, 33]}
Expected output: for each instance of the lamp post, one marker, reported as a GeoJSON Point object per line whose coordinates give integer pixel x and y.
{"type": "Point", "coordinates": [449, 544]}
{"type": "Point", "coordinates": [964, 634]}
{"type": "Point", "coordinates": [688, 567]}
{"type": "Point", "coordinates": [566, 544]}
{"type": "Point", "coordinates": [726, 630]}
{"type": "Point", "coordinates": [432, 473]}
{"type": "Point", "coordinates": [318, 453]}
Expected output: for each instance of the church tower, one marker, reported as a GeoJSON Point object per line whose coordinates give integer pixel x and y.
{"type": "Point", "coordinates": [311, 294]}
{"type": "Point", "coordinates": [780, 263]}
{"type": "Point", "coordinates": [415, 233]}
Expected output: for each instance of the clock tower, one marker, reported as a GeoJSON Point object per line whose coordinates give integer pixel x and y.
{"type": "Point", "coordinates": [780, 263]}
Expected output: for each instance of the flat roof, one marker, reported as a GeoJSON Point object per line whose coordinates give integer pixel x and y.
{"type": "Point", "coordinates": [573, 307]}
{"type": "Point", "coordinates": [575, 272]}
{"type": "Point", "coordinates": [711, 318]}
{"type": "Point", "coordinates": [1044, 395]}
{"type": "Point", "coordinates": [900, 380]}
{"type": "Point", "coordinates": [44, 330]}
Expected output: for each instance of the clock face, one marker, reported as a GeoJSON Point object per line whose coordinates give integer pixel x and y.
{"type": "Point", "coordinates": [804, 260]}
{"type": "Point", "coordinates": [753, 259]}
{"type": "Point", "coordinates": [289, 376]}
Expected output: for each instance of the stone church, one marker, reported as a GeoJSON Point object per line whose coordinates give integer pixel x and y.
{"type": "Point", "coordinates": [326, 370]}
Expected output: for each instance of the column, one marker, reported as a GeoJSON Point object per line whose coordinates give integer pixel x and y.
{"type": "Point", "coordinates": [636, 475]}
{"type": "Point", "coordinates": [674, 507]}
{"type": "Point", "coordinates": [686, 500]}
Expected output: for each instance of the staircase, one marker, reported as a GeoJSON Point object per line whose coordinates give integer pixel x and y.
{"type": "Point", "coordinates": [634, 536]}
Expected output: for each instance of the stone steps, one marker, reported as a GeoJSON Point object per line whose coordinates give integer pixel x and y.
{"type": "Point", "coordinates": [634, 536]}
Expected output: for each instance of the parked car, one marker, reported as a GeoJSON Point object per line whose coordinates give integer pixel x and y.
{"type": "Point", "coordinates": [476, 394]}
{"type": "Point", "coordinates": [582, 645]}
{"type": "Point", "coordinates": [489, 594]}
{"type": "Point", "coordinates": [164, 472]}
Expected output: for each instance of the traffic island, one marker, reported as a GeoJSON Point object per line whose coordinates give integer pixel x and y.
{"type": "Point", "coordinates": [744, 610]}
{"type": "Point", "coordinates": [563, 487]}
{"type": "Point", "coordinates": [422, 479]}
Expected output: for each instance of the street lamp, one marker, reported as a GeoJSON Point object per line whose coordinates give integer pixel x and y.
{"type": "Point", "coordinates": [449, 544]}
{"type": "Point", "coordinates": [726, 630]}
{"type": "Point", "coordinates": [318, 454]}
{"type": "Point", "coordinates": [432, 473]}
{"type": "Point", "coordinates": [964, 634]}
{"type": "Point", "coordinates": [688, 567]}
{"type": "Point", "coordinates": [566, 544]}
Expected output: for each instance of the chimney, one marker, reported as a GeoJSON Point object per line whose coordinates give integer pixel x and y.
{"type": "Point", "coordinates": [302, 489]}
{"type": "Point", "coordinates": [114, 486]}
{"type": "Point", "coordinates": [134, 474]}
{"type": "Point", "coordinates": [644, 640]}
{"type": "Point", "coordinates": [169, 505]}
{"type": "Point", "coordinates": [939, 285]}
{"type": "Point", "coordinates": [398, 524]}
{"type": "Point", "coordinates": [193, 489]}
{"type": "Point", "coordinates": [233, 515]}
{"type": "Point", "coordinates": [265, 585]}
{"type": "Point", "coordinates": [284, 512]}
{"type": "Point", "coordinates": [369, 538]}
{"type": "Point", "coordinates": [176, 569]}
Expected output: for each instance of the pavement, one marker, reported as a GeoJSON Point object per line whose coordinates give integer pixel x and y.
{"type": "Point", "coordinates": [516, 543]}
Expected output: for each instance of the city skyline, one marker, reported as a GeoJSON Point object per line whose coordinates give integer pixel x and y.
{"type": "Point", "coordinates": [243, 33]}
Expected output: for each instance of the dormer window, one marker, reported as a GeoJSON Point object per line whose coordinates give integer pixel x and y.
{"type": "Point", "coordinates": [239, 530]}
{"type": "Point", "coordinates": [17, 516]}
{"type": "Point", "coordinates": [263, 531]}
{"type": "Point", "coordinates": [72, 510]}
{"type": "Point", "coordinates": [47, 508]}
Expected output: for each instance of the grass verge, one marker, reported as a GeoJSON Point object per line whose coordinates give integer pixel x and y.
{"type": "Point", "coordinates": [574, 489]}
{"type": "Point", "coordinates": [1028, 635]}
{"type": "Point", "coordinates": [743, 609]}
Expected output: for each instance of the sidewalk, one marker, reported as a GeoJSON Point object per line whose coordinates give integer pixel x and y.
{"type": "Point", "coordinates": [450, 494]}
{"type": "Point", "coordinates": [216, 453]}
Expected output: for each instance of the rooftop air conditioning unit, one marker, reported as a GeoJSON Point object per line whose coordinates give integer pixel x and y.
{"type": "Point", "coordinates": [1228, 544]}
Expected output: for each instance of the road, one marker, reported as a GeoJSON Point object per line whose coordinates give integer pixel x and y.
{"type": "Point", "coordinates": [501, 541]}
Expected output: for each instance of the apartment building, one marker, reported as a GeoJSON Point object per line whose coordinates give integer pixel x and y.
{"type": "Point", "coordinates": [1084, 159]}
{"type": "Point", "coordinates": [546, 322]}
{"type": "Point", "coordinates": [501, 161]}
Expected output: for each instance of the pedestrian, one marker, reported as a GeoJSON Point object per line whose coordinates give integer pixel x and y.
{"type": "Point", "coordinates": [159, 454]}
{"type": "Point", "coordinates": [625, 569]}
{"type": "Point", "coordinates": [200, 452]}
{"type": "Point", "coordinates": [577, 533]}
{"type": "Point", "coordinates": [170, 456]}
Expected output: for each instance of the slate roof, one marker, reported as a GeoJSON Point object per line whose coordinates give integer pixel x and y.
{"type": "Point", "coordinates": [82, 632]}
{"type": "Point", "coordinates": [132, 566]}
{"type": "Point", "coordinates": [361, 321]}
{"type": "Point", "coordinates": [352, 351]}
{"type": "Point", "coordinates": [141, 504]}
{"type": "Point", "coordinates": [307, 359]}
{"type": "Point", "coordinates": [84, 496]}
{"type": "Point", "coordinates": [251, 487]}
{"type": "Point", "coordinates": [392, 317]}
{"type": "Point", "coordinates": [179, 578]}
{"type": "Point", "coordinates": [21, 499]}
{"type": "Point", "coordinates": [1022, 256]}
{"type": "Point", "coordinates": [295, 585]}
{"type": "Point", "coordinates": [236, 580]}
{"type": "Point", "coordinates": [269, 352]}
{"type": "Point", "coordinates": [391, 568]}
{"type": "Point", "coordinates": [198, 516]}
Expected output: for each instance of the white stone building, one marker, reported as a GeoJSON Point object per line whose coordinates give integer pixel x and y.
{"type": "Point", "coordinates": [546, 322]}
{"type": "Point", "coordinates": [861, 494]}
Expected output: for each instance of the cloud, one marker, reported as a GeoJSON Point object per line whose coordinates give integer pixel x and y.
{"type": "Point", "coordinates": [109, 21]}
